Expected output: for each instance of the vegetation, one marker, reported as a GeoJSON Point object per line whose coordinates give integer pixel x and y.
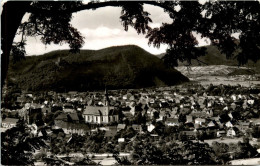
{"type": "Point", "coordinates": [213, 56]}
{"type": "Point", "coordinates": [218, 21]}
{"type": "Point", "coordinates": [18, 145]}
{"type": "Point", "coordinates": [114, 67]}
{"type": "Point", "coordinates": [146, 152]}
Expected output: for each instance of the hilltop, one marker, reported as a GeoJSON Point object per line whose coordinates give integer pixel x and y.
{"type": "Point", "coordinates": [114, 67]}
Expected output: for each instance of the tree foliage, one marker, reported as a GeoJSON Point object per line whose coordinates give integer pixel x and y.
{"type": "Point", "coordinates": [18, 145]}
{"type": "Point", "coordinates": [186, 153]}
{"type": "Point", "coordinates": [217, 21]}
{"type": "Point", "coordinates": [53, 28]}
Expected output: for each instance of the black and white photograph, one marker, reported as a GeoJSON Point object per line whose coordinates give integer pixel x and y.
{"type": "Point", "coordinates": [155, 82]}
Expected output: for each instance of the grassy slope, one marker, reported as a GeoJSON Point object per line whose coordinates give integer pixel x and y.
{"type": "Point", "coordinates": [114, 67]}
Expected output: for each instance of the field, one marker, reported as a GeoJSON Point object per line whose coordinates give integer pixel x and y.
{"type": "Point", "coordinates": [252, 161]}
{"type": "Point", "coordinates": [106, 161]}
{"type": "Point", "coordinates": [221, 74]}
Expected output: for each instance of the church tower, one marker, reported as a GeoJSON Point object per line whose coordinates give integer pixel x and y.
{"type": "Point", "coordinates": [106, 102]}
{"type": "Point", "coordinates": [106, 98]}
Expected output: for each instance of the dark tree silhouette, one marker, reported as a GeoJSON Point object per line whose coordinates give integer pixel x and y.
{"type": "Point", "coordinates": [220, 21]}
{"type": "Point", "coordinates": [18, 145]}
{"type": "Point", "coordinates": [187, 153]}
{"type": "Point", "coordinates": [147, 154]}
{"type": "Point", "coordinates": [215, 20]}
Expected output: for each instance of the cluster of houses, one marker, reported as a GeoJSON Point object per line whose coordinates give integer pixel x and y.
{"type": "Point", "coordinates": [194, 108]}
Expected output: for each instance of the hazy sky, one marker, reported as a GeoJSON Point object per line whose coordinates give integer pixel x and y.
{"type": "Point", "coordinates": [102, 28]}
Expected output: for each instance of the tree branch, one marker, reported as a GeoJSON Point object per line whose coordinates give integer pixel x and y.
{"type": "Point", "coordinates": [93, 6]}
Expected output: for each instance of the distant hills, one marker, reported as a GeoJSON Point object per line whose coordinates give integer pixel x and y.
{"type": "Point", "coordinates": [215, 57]}
{"type": "Point", "coordinates": [114, 67]}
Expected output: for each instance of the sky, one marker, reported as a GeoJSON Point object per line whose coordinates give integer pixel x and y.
{"type": "Point", "coordinates": [102, 28]}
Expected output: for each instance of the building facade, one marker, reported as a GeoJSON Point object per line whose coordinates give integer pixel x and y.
{"type": "Point", "coordinates": [100, 114]}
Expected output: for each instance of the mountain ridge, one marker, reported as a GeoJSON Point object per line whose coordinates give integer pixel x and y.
{"type": "Point", "coordinates": [215, 57]}
{"type": "Point", "coordinates": [114, 67]}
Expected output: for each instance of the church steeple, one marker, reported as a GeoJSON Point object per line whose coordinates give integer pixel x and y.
{"type": "Point", "coordinates": [106, 101]}
{"type": "Point", "coordinates": [106, 98]}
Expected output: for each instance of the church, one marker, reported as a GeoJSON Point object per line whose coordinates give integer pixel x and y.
{"type": "Point", "coordinates": [100, 114]}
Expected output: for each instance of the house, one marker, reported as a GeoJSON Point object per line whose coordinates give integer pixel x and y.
{"type": "Point", "coordinates": [33, 129]}
{"type": "Point", "coordinates": [256, 122]}
{"type": "Point", "coordinates": [137, 128]}
{"type": "Point", "coordinates": [72, 93]}
{"type": "Point", "coordinates": [102, 128]}
{"type": "Point", "coordinates": [231, 132]}
{"type": "Point", "coordinates": [197, 126]}
{"type": "Point", "coordinates": [61, 117]}
{"type": "Point", "coordinates": [143, 112]}
{"type": "Point", "coordinates": [244, 105]}
{"type": "Point", "coordinates": [132, 108]}
{"type": "Point", "coordinates": [221, 133]}
{"type": "Point", "coordinates": [243, 126]}
{"type": "Point", "coordinates": [29, 95]}
{"type": "Point", "coordinates": [210, 103]}
{"type": "Point", "coordinates": [229, 124]}
{"type": "Point", "coordinates": [251, 102]}
{"type": "Point", "coordinates": [125, 97]}
{"type": "Point", "coordinates": [9, 122]}
{"type": "Point", "coordinates": [172, 122]}
{"type": "Point", "coordinates": [189, 134]}
{"type": "Point", "coordinates": [100, 115]}
{"type": "Point", "coordinates": [212, 124]}
{"type": "Point", "coordinates": [150, 112]}
{"type": "Point", "coordinates": [73, 117]}
{"type": "Point", "coordinates": [41, 133]}
{"type": "Point", "coordinates": [71, 128]}
{"type": "Point", "coordinates": [233, 106]}
{"type": "Point", "coordinates": [189, 119]}
{"type": "Point", "coordinates": [150, 127]}
{"type": "Point", "coordinates": [210, 113]}
{"type": "Point", "coordinates": [225, 108]}
{"type": "Point", "coordinates": [154, 137]}
{"type": "Point", "coordinates": [110, 134]}
{"type": "Point", "coordinates": [121, 127]}
{"type": "Point", "coordinates": [230, 115]}
{"type": "Point", "coordinates": [35, 106]}
{"type": "Point", "coordinates": [89, 102]}
{"type": "Point", "coordinates": [68, 108]}
{"type": "Point", "coordinates": [121, 139]}
{"type": "Point", "coordinates": [131, 98]}
{"type": "Point", "coordinates": [162, 114]}
{"type": "Point", "coordinates": [174, 111]}
{"type": "Point", "coordinates": [220, 125]}
{"type": "Point", "coordinates": [200, 121]}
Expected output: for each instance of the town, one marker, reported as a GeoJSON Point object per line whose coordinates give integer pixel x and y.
{"type": "Point", "coordinates": [130, 82]}
{"type": "Point", "coordinates": [120, 126]}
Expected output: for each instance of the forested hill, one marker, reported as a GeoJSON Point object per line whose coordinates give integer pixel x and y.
{"type": "Point", "coordinates": [114, 67]}
{"type": "Point", "coordinates": [215, 57]}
